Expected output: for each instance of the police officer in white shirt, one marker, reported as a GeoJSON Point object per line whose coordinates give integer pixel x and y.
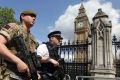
{"type": "Point", "coordinates": [49, 52]}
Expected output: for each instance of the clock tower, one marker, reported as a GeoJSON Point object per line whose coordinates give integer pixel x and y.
{"type": "Point", "coordinates": [81, 32]}
{"type": "Point", "coordinates": [82, 26]}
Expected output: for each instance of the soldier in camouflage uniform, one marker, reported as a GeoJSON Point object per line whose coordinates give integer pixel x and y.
{"type": "Point", "coordinates": [12, 65]}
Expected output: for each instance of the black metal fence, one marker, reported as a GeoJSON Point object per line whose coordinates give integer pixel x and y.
{"type": "Point", "coordinates": [116, 44]}
{"type": "Point", "coordinates": [75, 55]}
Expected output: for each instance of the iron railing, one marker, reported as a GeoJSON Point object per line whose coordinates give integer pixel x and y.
{"type": "Point", "coordinates": [116, 44]}
{"type": "Point", "coordinates": [75, 55]}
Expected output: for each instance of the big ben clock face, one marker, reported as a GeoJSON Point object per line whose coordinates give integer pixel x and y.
{"type": "Point", "coordinates": [80, 24]}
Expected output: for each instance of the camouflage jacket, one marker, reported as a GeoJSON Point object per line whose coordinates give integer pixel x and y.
{"type": "Point", "coordinates": [10, 31]}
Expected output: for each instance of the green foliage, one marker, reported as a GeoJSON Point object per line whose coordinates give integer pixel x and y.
{"type": "Point", "coordinates": [6, 16]}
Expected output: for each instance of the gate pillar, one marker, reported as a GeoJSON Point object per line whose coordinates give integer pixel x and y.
{"type": "Point", "coordinates": [102, 57]}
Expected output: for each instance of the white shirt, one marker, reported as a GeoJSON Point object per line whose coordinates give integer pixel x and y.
{"type": "Point", "coordinates": [42, 50]}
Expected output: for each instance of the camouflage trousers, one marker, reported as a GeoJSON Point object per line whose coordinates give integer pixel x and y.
{"type": "Point", "coordinates": [5, 74]}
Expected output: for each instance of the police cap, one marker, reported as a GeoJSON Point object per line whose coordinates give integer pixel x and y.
{"type": "Point", "coordinates": [55, 34]}
{"type": "Point", "coordinates": [29, 12]}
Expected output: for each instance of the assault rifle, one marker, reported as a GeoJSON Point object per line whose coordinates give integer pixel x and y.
{"type": "Point", "coordinates": [29, 58]}
{"type": "Point", "coordinates": [58, 74]}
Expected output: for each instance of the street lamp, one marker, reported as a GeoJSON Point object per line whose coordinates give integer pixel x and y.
{"type": "Point", "coordinates": [116, 43]}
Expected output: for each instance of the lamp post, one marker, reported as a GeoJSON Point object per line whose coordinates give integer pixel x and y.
{"type": "Point", "coordinates": [116, 44]}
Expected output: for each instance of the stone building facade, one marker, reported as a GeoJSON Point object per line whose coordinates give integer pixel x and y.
{"type": "Point", "coordinates": [99, 35]}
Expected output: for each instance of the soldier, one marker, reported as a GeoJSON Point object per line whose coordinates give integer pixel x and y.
{"type": "Point", "coordinates": [12, 65]}
{"type": "Point", "coordinates": [49, 55]}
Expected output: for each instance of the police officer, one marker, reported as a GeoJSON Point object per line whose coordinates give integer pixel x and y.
{"type": "Point", "coordinates": [49, 54]}
{"type": "Point", "coordinates": [12, 65]}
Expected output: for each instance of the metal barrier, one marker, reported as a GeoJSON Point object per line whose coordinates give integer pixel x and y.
{"type": "Point", "coordinates": [95, 78]}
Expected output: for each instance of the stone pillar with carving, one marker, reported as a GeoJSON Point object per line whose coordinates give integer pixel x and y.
{"type": "Point", "coordinates": [102, 57]}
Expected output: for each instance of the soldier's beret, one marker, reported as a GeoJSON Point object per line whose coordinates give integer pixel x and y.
{"type": "Point", "coordinates": [29, 12]}
{"type": "Point", "coordinates": [55, 34]}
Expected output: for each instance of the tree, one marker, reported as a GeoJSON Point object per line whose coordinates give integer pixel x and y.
{"type": "Point", "coordinates": [6, 16]}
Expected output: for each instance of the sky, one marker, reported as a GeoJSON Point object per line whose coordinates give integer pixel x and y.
{"type": "Point", "coordinates": [60, 14]}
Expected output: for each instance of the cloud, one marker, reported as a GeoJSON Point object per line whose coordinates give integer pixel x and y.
{"type": "Point", "coordinates": [65, 22]}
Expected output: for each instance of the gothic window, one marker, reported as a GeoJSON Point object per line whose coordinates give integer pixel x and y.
{"type": "Point", "coordinates": [100, 31]}
{"type": "Point", "coordinates": [100, 28]}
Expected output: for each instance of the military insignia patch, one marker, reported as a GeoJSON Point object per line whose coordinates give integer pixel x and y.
{"type": "Point", "coordinates": [7, 26]}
